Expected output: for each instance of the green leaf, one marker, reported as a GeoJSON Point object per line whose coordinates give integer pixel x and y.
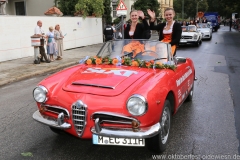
{"type": "Point", "coordinates": [27, 154]}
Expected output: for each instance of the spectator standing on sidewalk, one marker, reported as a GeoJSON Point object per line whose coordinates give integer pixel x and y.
{"type": "Point", "coordinates": [51, 44]}
{"type": "Point", "coordinates": [108, 32]}
{"type": "Point", "coordinates": [38, 31]}
{"type": "Point", "coordinates": [230, 24]}
{"type": "Point", "coordinates": [59, 40]}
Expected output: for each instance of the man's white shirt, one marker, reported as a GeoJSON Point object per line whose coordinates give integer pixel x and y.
{"type": "Point", "coordinates": [38, 30]}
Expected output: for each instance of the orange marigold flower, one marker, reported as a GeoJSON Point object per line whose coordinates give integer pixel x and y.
{"type": "Point", "coordinates": [89, 61]}
{"type": "Point", "coordinates": [98, 61]}
{"type": "Point", "coordinates": [122, 60]}
{"type": "Point", "coordinates": [114, 61]}
{"type": "Point", "coordinates": [159, 63]}
{"type": "Point", "coordinates": [152, 61]}
{"type": "Point", "coordinates": [148, 64]}
{"type": "Point", "coordinates": [135, 64]}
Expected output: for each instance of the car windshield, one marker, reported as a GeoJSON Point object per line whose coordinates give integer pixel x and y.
{"type": "Point", "coordinates": [137, 49]}
{"type": "Point", "coordinates": [191, 28]}
{"type": "Point", "coordinates": [203, 25]}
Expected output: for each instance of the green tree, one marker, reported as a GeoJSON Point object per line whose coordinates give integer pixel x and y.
{"type": "Point", "coordinates": [67, 7]}
{"type": "Point", "coordinates": [107, 11]}
{"type": "Point", "coordinates": [90, 7]}
{"type": "Point", "coordinates": [190, 7]}
{"type": "Point", "coordinates": [223, 7]}
{"type": "Point", "coordinates": [147, 4]}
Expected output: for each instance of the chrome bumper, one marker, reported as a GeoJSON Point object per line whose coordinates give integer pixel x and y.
{"type": "Point", "coordinates": [59, 123]}
{"type": "Point", "coordinates": [146, 132]}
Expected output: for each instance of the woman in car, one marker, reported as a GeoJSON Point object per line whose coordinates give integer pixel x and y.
{"type": "Point", "coordinates": [135, 30]}
{"type": "Point", "coordinates": [170, 31]}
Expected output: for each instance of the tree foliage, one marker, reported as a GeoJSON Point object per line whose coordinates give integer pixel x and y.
{"type": "Point", "coordinates": [190, 7]}
{"type": "Point", "coordinates": [87, 8]}
{"type": "Point", "coordinates": [90, 7]}
{"type": "Point", "coordinates": [225, 8]}
{"type": "Point", "coordinates": [67, 7]}
{"type": "Point", "coordinates": [147, 4]}
{"type": "Point", "coordinates": [107, 11]}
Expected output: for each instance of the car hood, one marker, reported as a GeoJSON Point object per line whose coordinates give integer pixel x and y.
{"type": "Point", "coordinates": [104, 80]}
{"type": "Point", "coordinates": [204, 29]}
{"type": "Point", "coordinates": [188, 33]}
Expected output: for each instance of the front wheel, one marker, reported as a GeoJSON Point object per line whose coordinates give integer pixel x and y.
{"type": "Point", "coordinates": [159, 142]}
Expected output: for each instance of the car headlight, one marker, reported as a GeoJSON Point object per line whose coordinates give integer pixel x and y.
{"type": "Point", "coordinates": [195, 36]}
{"type": "Point", "coordinates": [40, 94]}
{"type": "Point", "coordinates": [137, 105]}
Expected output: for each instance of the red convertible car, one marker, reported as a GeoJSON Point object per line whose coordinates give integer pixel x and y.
{"type": "Point", "coordinates": [125, 95]}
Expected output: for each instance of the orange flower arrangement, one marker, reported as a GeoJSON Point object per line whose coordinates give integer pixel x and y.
{"type": "Point", "coordinates": [127, 61]}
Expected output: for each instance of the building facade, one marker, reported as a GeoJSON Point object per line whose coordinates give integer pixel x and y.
{"type": "Point", "coordinates": [163, 5]}
{"type": "Point", "coordinates": [28, 7]}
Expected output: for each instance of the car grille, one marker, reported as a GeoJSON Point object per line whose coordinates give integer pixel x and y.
{"type": "Point", "coordinates": [79, 113]}
{"type": "Point", "coordinates": [186, 37]}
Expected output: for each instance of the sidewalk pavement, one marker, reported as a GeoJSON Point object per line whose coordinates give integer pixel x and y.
{"type": "Point", "coordinates": [19, 69]}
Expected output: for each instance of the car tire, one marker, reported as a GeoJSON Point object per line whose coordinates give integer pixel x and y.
{"type": "Point", "coordinates": [197, 43]}
{"type": "Point", "coordinates": [210, 38]}
{"type": "Point", "coordinates": [159, 142]}
{"type": "Point", "coordinates": [190, 95]}
{"type": "Point", "coordinates": [57, 131]}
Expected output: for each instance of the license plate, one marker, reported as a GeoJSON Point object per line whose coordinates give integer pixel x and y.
{"type": "Point", "coordinates": [182, 40]}
{"type": "Point", "coordinates": [102, 140]}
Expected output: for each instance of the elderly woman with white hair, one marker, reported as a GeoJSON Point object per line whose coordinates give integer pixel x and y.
{"type": "Point", "coordinates": [51, 44]}
{"type": "Point", "coordinates": [59, 40]}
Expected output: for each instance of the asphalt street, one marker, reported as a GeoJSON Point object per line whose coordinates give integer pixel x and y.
{"type": "Point", "coordinates": [208, 126]}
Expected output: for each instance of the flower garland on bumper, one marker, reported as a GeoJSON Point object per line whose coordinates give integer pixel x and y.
{"type": "Point", "coordinates": [127, 61]}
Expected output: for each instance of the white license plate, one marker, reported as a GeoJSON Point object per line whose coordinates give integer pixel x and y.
{"type": "Point", "coordinates": [101, 140]}
{"type": "Point", "coordinates": [182, 40]}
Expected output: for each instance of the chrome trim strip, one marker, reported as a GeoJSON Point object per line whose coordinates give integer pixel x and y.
{"type": "Point", "coordinates": [58, 107]}
{"type": "Point", "coordinates": [146, 132]}
{"type": "Point", "coordinates": [120, 122]}
{"type": "Point", "coordinates": [93, 85]}
{"type": "Point", "coordinates": [38, 117]}
{"type": "Point", "coordinates": [114, 115]}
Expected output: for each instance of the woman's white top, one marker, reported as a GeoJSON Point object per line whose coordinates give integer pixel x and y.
{"type": "Point", "coordinates": [131, 33]}
{"type": "Point", "coordinates": [170, 29]}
